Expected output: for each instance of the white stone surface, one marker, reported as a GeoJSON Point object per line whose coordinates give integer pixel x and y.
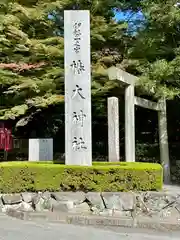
{"type": "Point", "coordinates": [41, 149]}
{"type": "Point", "coordinates": [163, 140]}
{"type": "Point", "coordinates": [146, 103]}
{"type": "Point", "coordinates": [78, 143]}
{"type": "Point", "coordinates": [113, 129]}
{"type": "Point", "coordinates": [129, 124]}
{"type": "Point", "coordinates": [116, 73]}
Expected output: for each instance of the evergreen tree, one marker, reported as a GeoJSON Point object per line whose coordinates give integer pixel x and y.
{"type": "Point", "coordinates": [32, 54]}
{"type": "Point", "coordinates": [154, 54]}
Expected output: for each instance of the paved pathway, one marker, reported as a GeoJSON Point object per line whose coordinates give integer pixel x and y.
{"type": "Point", "coordinates": [14, 229]}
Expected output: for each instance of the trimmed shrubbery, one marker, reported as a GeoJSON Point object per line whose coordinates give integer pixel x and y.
{"type": "Point", "coordinates": [102, 176]}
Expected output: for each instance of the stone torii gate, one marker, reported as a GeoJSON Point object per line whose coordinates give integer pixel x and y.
{"type": "Point", "coordinates": [131, 100]}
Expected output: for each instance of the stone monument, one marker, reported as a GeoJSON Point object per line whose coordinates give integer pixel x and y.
{"type": "Point", "coordinates": [40, 149]}
{"type": "Point", "coordinates": [78, 143]}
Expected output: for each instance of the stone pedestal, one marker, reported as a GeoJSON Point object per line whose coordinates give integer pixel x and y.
{"type": "Point", "coordinates": [40, 149]}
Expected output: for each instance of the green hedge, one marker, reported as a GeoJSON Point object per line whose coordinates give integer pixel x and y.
{"type": "Point", "coordinates": [102, 176]}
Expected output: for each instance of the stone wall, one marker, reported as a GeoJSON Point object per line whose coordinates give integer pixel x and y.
{"type": "Point", "coordinates": [160, 205]}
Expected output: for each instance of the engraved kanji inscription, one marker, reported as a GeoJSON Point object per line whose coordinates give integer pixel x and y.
{"type": "Point", "coordinates": [78, 144]}
{"type": "Point", "coordinates": [75, 144]}
{"type": "Point", "coordinates": [77, 92]}
{"type": "Point", "coordinates": [77, 45]}
{"type": "Point", "coordinates": [79, 118]}
{"type": "Point", "coordinates": [77, 36]}
{"type": "Point", "coordinates": [82, 143]}
{"type": "Point", "coordinates": [77, 67]}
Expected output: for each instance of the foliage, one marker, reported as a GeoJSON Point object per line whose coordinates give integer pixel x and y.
{"type": "Point", "coordinates": [28, 176]}
{"type": "Point", "coordinates": [154, 54]}
{"type": "Point", "coordinates": [32, 63]}
{"type": "Point", "coordinates": [32, 54]}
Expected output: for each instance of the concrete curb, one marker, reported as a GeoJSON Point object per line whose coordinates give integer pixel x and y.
{"type": "Point", "coordinates": [60, 217]}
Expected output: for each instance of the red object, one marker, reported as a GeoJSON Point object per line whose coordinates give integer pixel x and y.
{"type": "Point", "coordinates": [8, 140]}
{"type": "Point", "coordinates": [2, 138]}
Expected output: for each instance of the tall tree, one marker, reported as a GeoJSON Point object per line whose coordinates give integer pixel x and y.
{"type": "Point", "coordinates": [32, 54]}
{"type": "Point", "coordinates": [155, 52]}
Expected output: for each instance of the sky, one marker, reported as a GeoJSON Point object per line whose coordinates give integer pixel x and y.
{"type": "Point", "coordinates": [130, 17]}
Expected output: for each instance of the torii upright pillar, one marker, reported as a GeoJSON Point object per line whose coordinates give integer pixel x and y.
{"type": "Point", "coordinates": [129, 124]}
